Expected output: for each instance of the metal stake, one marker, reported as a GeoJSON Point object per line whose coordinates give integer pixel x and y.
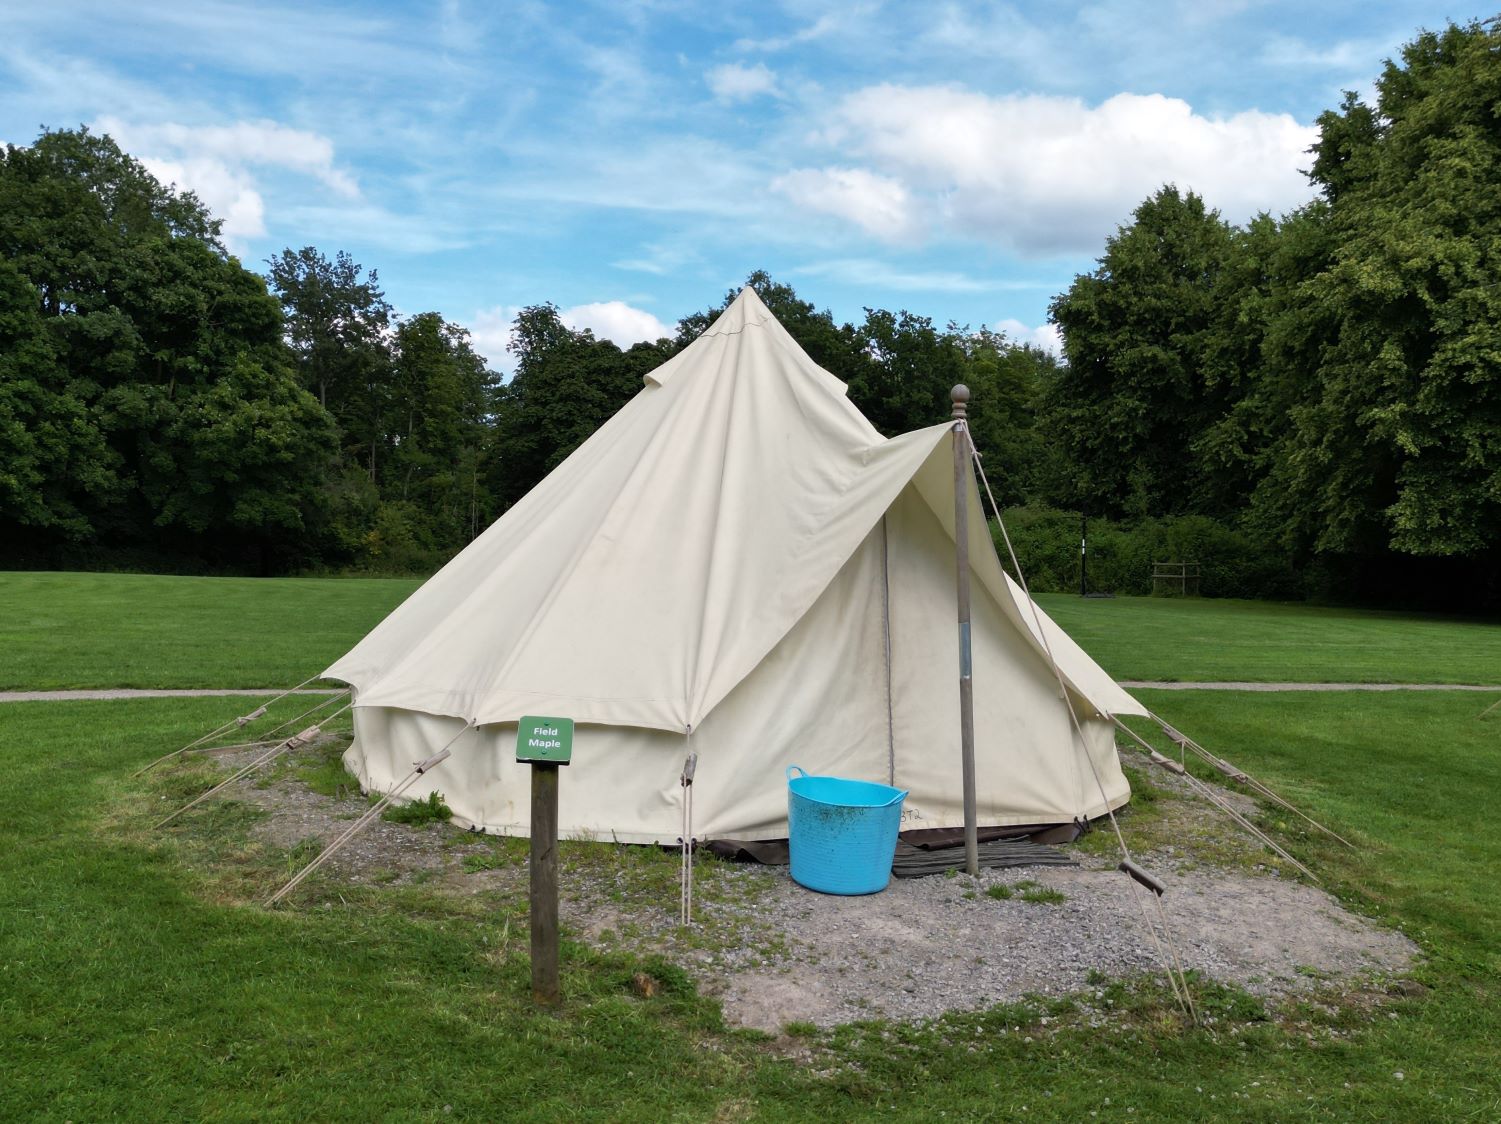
{"type": "Point", "coordinates": [963, 477]}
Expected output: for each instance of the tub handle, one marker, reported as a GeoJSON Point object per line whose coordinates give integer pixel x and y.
{"type": "Point", "coordinates": [799, 769]}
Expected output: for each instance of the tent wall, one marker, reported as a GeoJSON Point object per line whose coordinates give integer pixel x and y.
{"type": "Point", "coordinates": [817, 700]}
{"type": "Point", "coordinates": [1028, 768]}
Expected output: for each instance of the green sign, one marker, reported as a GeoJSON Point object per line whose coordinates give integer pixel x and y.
{"type": "Point", "coordinates": [544, 739]}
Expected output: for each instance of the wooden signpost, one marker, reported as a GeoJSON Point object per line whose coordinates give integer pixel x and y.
{"type": "Point", "coordinates": [546, 744]}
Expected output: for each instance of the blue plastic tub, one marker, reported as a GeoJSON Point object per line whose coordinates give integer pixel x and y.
{"type": "Point", "coordinates": [842, 833]}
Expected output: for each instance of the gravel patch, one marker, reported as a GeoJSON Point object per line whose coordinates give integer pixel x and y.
{"type": "Point", "coordinates": [773, 952]}
{"type": "Point", "coordinates": [928, 945]}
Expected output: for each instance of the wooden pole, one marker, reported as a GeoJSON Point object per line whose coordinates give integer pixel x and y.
{"type": "Point", "coordinates": [546, 991]}
{"type": "Point", "coordinates": [963, 476]}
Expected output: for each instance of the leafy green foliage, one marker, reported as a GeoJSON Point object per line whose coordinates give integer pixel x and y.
{"type": "Point", "coordinates": [1331, 381]}
{"type": "Point", "coordinates": [567, 384]}
{"type": "Point", "coordinates": [1138, 333]}
{"type": "Point", "coordinates": [148, 385]}
{"type": "Point", "coordinates": [1232, 563]}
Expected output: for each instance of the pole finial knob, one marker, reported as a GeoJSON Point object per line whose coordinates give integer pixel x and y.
{"type": "Point", "coordinates": [960, 397]}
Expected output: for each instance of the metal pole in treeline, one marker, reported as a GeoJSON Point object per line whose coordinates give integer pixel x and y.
{"type": "Point", "coordinates": [546, 743]}
{"type": "Point", "coordinates": [963, 476]}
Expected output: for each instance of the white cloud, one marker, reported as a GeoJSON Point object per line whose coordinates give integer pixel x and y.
{"type": "Point", "coordinates": [228, 193]}
{"type": "Point", "coordinates": [218, 162]}
{"type": "Point", "coordinates": [1043, 174]}
{"type": "Point", "coordinates": [733, 82]}
{"type": "Point", "coordinates": [879, 205]}
{"type": "Point", "coordinates": [617, 321]}
{"type": "Point", "coordinates": [243, 144]}
{"type": "Point", "coordinates": [490, 333]}
{"type": "Point", "coordinates": [623, 324]}
{"type": "Point", "coordinates": [1045, 336]}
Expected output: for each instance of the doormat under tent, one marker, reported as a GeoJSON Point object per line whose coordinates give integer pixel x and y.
{"type": "Point", "coordinates": [997, 854]}
{"type": "Point", "coordinates": [932, 856]}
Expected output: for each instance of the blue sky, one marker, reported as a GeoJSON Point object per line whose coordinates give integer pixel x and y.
{"type": "Point", "coordinates": [631, 161]}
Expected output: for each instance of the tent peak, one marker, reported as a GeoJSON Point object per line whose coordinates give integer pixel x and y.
{"type": "Point", "coordinates": [747, 310]}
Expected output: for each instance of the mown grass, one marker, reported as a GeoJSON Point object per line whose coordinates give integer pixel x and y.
{"type": "Point", "coordinates": [67, 630]}
{"type": "Point", "coordinates": [1199, 639]}
{"type": "Point", "coordinates": [139, 984]}
{"type": "Point", "coordinates": [62, 630]}
{"type": "Point", "coordinates": [135, 986]}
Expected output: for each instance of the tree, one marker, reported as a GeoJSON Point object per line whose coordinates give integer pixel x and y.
{"type": "Point", "coordinates": [447, 396]}
{"type": "Point", "coordinates": [338, 324]}
{"type": "Point", "coordinates": [1397, 441]}
{"type": "Point", "coordinates": [1006, 382]}
{"type": "Point", "coordinates": [149, 397]}
{"type": "Point", "coordinates": [910, 369]}
{"type": "Point", "coordinates": [54, 463]}
{"type": "Point", "coordinates": [1139, 335]}
{"type": "Point", "coordinates": [566, 385]}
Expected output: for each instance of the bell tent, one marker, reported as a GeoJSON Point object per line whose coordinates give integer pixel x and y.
{"type": "Point", "coordinates": [738, 563]}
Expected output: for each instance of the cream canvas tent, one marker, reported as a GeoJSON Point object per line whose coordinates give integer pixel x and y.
{"type": "Point", "coordinates": [737, 554]}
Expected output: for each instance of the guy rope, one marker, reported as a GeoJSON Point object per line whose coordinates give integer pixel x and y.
{"type": "Point", "coordinates": [234, 723]}
{"type": "Point", "coordinates": [1136, 876]}
{"type": "Point", "coordinates": [1183, 741]}
{"type": "Point", "coordinates": [304, 738]}
{"type": "Point", "coordinates": [365, 820]}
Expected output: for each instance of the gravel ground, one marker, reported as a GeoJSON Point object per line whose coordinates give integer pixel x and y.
{"type": "Point", "coordinates": [928, 945]}
{"type": "Point", "coordinates": [773, 952]}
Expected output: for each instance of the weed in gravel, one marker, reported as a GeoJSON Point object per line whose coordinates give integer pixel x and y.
{"type": "Point", "coordinates": [303, 853]}
{"type": "Point", "coordinates": [999, 893]}
{"type": "Point", "coordinates": [420, 813]}
{"type": "Point", "coordinates": [1037, 893]}
{"type": "Point", "coordinates": [324, 772]}
{"type": "Point", "coordinates": [486, 860]}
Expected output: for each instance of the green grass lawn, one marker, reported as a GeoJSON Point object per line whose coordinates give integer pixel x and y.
{"type": "Point", "coordinates": [138, 979]}
{"type": "Point", "coordinates": [1199, 639]}
{"type": "Point", "coordinates": [140, 982]}
{"type": "Point", "coordinates": [133, 630]}
{"type": "Point", "coordinates": [139, 630]}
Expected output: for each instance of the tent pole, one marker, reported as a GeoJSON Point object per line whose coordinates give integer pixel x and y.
{"type": "Point", "coordinates": [962, 479]}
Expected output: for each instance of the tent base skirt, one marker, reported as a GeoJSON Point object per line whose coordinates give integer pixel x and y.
{"type": "Point", "coordinates": [1009, 846]}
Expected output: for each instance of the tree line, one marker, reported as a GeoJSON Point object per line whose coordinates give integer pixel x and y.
{"type": "Point", "coordinates": [164, 407]}
{"type": "Point", "coordinates": [1317, 393]}
{"type": "Point", "coordinates": [1328, 381]}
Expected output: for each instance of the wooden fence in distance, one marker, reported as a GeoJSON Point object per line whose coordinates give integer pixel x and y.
{"type": "Point", "coordinates": [1181, 578]}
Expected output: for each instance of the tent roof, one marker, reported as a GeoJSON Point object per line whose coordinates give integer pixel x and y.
{"type": "Point", "coordinates": [651, 571]}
